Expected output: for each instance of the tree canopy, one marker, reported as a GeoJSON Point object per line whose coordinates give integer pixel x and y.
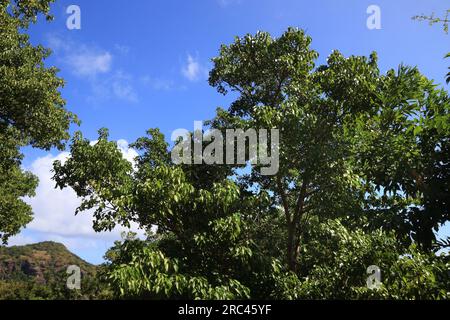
{"type": "Point", "coordinates": [32, 111]}
{"type": "Point", "coordinates": [362, 180]}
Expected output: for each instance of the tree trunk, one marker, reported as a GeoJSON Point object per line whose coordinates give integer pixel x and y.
{"type": "Point", "coordinates": [292, 248]}
{"type": "Point", "coordinates": [293, 229]}
{"type": "Point", "coordinates": [293, 219]}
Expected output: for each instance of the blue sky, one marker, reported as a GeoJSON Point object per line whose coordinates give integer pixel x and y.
{"type": "Point", "coordinates": [141, 64]}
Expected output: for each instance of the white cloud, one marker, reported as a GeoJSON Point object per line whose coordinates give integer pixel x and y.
{"type": "Point", "coordinates": [90, 63]}
{"type": "Point", "coordinates": [57, 44]}
{"type": "Point", "coordinates": [54, 210]}
{"type": "Point", "coordinates": [122, 88]}
{"type": "Point", "coordinates": [20, 240]}
{"type": "Point", "coordinates": [128, 153]}
{"type": "Point", "coordinates": [193, 70]}
{"type": "Point", "coordinates": [95, 65]}
{"type": "Point", "coordinates": [80, 59]}
{"type": "Point", "coordinates": [118, 85]}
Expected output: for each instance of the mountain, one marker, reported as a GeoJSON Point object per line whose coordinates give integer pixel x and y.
{"type": "Point", "coordinates": [39, 261]}
{"type": "Point", "coordinates": [39, 271]}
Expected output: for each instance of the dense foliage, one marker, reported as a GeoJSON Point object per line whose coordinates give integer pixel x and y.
{"type": "Point", "coordinates": [31, 109]}
{"type": "Point", "coordinates": [363, 180]}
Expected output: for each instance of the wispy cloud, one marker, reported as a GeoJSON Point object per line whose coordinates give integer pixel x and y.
{"type": "Point", "coordinates": [90, 63]}
{"type": "Point", "coordinates": [95, 66]}
{"type": "Point", "coordinates": [81, 59]}
{"type": "Point", "coordinates": [119, 85]}
{"type": "Point", "coordinates": [193, 70]}
{"type": "Point", "coordinates": [160, 84]}
{"type": "Point", "coordinates": [122, 87]}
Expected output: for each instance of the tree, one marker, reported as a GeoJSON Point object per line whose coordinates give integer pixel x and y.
{"type": "Point", "coordinates": [335, 259]}
{"type": "Point", "coordinates": [362, 180]}
{"type": "Point", "coordinates": [31, 109]}
{"type": "Point", "coordinates": [201, 248]}
{"type": "Point", "coordinates": [331, 164]}
{"type": "Point", "coordinates": [278, 89]}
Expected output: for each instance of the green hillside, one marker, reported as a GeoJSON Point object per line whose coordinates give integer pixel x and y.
{"type": "Point", "coordinates": [39, 271]}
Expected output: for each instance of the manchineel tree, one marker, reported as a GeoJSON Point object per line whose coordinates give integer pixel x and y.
{"type": "Point", "coordinates": [32, 110]}
{"type": "Point", "coordinates": [362, 180]}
